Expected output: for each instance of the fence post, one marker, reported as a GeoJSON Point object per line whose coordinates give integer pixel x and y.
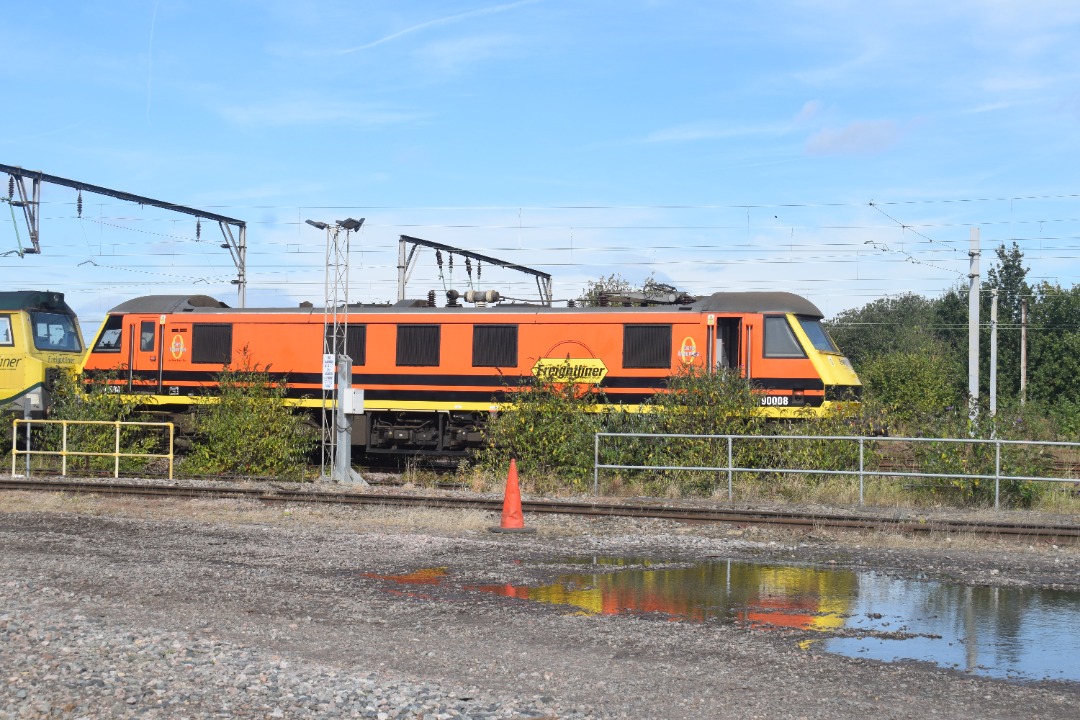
{"type": "Point", "coordinates": [997, 474]}
{"type": "Point", "coordinates": [29, 427]}
{"type": "Point", "coordinates": [861, 468]}
{"type": "Point", "coordinates": [730, 495]}
{"type": "Point", "coordinates": [595, 465]}
{"type": "Point", "coordinates": [172, 438]}
{"type": "Point", "coordinates": [116, 467]}
{"type": "Point", "coordinates": [63, 448]}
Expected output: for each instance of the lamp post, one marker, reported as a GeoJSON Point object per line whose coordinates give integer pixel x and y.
{"type": "Point", "coordinates": [336, 462]}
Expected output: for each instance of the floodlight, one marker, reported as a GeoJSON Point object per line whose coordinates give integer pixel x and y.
{"type": "Point", "coordinates": [317, 224]}
{"type": "Point", "coordinates": [350, 224]}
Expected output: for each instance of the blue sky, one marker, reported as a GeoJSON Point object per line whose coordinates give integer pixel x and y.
{"type": "Point", "coordinates": [840, 150]}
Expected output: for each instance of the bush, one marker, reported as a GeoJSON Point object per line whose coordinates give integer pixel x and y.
{"type": "Point", "coordinates": [911, 387]}
{"type": "Point", "coordinates": [250, 430]}
{"type": "Point", "coordinates": [549, 431]}
{"type": "Point", "coordinates": [1011, 423]}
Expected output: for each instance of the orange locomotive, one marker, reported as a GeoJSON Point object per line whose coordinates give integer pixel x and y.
{"type": "Point", "coordinates": [431, 375]}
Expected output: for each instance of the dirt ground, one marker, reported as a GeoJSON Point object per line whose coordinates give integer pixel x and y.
{"type": "Point", "coordinates": [339, 586]}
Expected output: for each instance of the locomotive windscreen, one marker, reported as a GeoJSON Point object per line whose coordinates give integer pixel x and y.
{"type": "Point", "coordinates": [818, 336]}
{"type": "Point", "coordinates": [54, 331]}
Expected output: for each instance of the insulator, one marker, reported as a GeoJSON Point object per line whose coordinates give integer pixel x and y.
{"type": "Point", "coordinates": [482, 296]}
{"type": "Point", "coordinates": [11, 186]}
{"type": "Point", "coordinates": [478, 265]}
{"type": "Point", "coordinates": [452, 298]}
{"type": "Point", "coordinates": [78, 204]}
{"type": "Point", "coordinates": [198, 229]}
{"type": "Point", "coordinates": [603, 299]}
{"type": "Point", "coordinates": [571, 303]}
{"type": "Point", "coordinates": [468, 267]}
{"type": "Point", "coordinates": [438, 258]}
{"type": "Point", "coordinates": [451, 264]}
{"type": "Point", "coordinates": [431, 298]}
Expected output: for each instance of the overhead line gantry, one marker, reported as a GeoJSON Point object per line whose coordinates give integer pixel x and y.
{"type": "Point", "coordinates": [30, 203]}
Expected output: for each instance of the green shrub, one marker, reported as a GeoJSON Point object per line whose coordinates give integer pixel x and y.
{"type": "Point", "coordinates": [250, 430]}
{"type": "Point", "coordinates": [963, 458]}
{"type": "Point", "coordinates": [549, 431]}
{"type": "Point", "coordinates": [911, 387]}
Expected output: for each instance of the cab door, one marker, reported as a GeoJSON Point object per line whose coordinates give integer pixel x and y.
{"type": "Point", "coordinates": [723, 338]}
{"type": "Point", "coordinates": [146, 336]}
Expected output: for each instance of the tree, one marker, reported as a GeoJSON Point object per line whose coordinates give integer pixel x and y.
{"type": "Point", "coordinates": [892, 324]}
{"type": "Point", "coordinates": [1009, 277]}
{"type": "Point", "coordinates": [1054, 337]}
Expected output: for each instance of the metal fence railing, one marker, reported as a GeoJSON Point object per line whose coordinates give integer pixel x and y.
{"type": "Point", "coordinates": [64, 452]}
{"type": "Point", "coordinates": [858, 468]}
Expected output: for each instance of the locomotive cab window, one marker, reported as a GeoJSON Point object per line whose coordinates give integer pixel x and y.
{"type": "Point", "coordinates": [818, 337]}
{"type": "Point", "coordinates": [495, 346]}
{"type": "Point", "coordinates": [780, 341]}
{"type": "Point", "coordinates": [54, 331]}
{"type": "Point", "coordinates": [6, 337]}
{"type": "Point", "coordinates": [111, 334]}
{"type": "Point", "coordinates": [211, 343]}
{"type": "Point", "coordinates": [355, 343]}
{"type": "Point", "coordinates": [146, 336]}
{"type": "Point", "coordinates": [646, 346]}
{"type": "Point", "coordinates": [418, 345]}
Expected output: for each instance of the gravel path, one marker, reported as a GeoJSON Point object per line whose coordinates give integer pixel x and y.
{"type": "Point", "coordinates": [205, 609]}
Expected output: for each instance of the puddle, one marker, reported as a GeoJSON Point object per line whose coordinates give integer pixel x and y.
{"type": "Point", "coordinates": [1014, 633]}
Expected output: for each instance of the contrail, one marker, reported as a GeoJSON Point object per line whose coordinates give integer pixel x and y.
{"type": "Point", "coordinates": [439, 21]}
{"type": "Point", "coordinates": [150, 60]}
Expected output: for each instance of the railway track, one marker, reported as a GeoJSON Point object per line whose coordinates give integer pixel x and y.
{"type": "Point", "coordinates": [635, 509]}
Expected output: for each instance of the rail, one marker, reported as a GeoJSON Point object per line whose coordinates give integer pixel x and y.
{"type": "Point", "coordinates": [64, 452]}
{"type": "Point", "coordinates": [862, 471]}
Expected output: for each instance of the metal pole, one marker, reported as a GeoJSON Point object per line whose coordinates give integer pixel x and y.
{"type": "Point", "coordinates": [401, 275]}
{"type": "Point", "coordinates": [993, 353]}
{"type": "Point", "coordinates": [241, 267]}
{"type": "Point", "coordinates": [343, 471]}
{"type": "Point", "coordinates": [116, 460]}
{"type": "Point", "coordinates": [1023, 350]}
{"type": "Point", "coordinates": [596, 465]}
{"type": "Point", "coordinates": [326, 467]}
{"type": "Point", "coordinates": [730, 495]}
{"type": "Point", "coordinates": [63, 447]}
{"type": "Point", "coordinates": [973, 326]}
{"type": "Point", "coordinates": [861, 468]}
{"type": "Point", "coordinates": [997, 474]}
{"type": "Point", "coordinates": [26, 416]}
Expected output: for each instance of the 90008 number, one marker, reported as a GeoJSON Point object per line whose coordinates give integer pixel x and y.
{"type": "Point", "coordinates": [775, 400]}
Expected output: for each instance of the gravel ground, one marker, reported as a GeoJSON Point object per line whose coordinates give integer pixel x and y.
{"type": "Point", "coordinates": [165, 609]}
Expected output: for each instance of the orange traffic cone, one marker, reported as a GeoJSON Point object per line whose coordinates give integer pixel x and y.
{"type": "Point", "coordinates": [512, 519]}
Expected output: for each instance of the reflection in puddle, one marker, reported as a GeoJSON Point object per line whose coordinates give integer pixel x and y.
{"type": "Point", "coordinates": [1019, 633]}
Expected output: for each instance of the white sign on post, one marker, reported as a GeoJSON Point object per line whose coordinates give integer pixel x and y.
{"type": "Point", "coordinates": [328, 371]}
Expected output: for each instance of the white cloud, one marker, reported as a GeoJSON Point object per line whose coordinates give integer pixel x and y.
{"type": "Point", "coordinates": [711, 130]}
{"type": "Point", "coordinates": [433, 23]}
{"type": "Point", "coordinates": [452, 55]}
{"type": "Point", "coordinates": [810, 110]}
{"type": "Point", "coordinates": [315, 111]}
{"type": "Point", "coordinates": [862, 137]}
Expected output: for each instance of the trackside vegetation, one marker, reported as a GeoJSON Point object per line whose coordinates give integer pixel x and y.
{"type": "Point", "coordinates": [250, 431]}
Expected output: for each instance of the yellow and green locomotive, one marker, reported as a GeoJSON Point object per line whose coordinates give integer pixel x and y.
{"type": "Point", "coordinates": [39, 338]}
